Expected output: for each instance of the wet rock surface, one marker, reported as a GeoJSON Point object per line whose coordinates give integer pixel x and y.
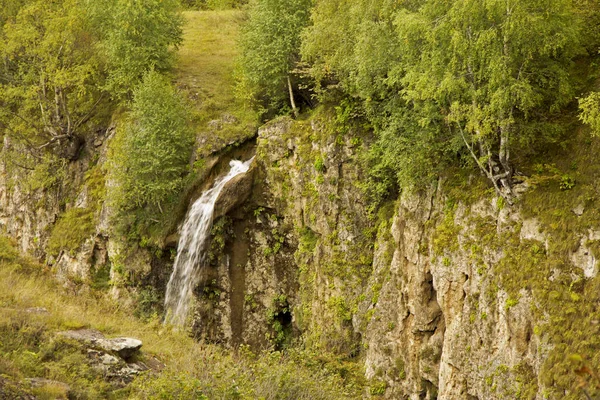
{"type": "Point", "coordinates": [235, 192]}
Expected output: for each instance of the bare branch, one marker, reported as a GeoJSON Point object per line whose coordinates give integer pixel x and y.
{"type": "Point", "coordinates": [489, 174]}
{"type": "Point", "coordinates": [90, 114]}
{"type": "Point", "coordinates": [53, 140]}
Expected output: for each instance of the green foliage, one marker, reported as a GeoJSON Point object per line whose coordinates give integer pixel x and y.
{"type": "Point", "coordinates": [8, 252]}
{"type": "Point", "coordinates": [377, 388]}
{"type": "Point", "coordinates": [319, 164]}
{"type": "Point", "coordinates": [213, 4]}
{"type": "Point", "coordinates": [270, 49]}
{"type": "Point", "coordinates": [47, 173]}
{"type": "Point", "coordinates": [353, 42]}
{"type": "Point", "coordinates": [275, 318]}
{"type": "Point", "coordinates": [340, 309]}
{"type": "Point", "coordinates": [168, 386]}
{"type": "Point", "coordinates": [62, 60]}
{"type": "Point", "coordinates": [221, 231]}
{"type": "Point", "coordinates": [50, 74]}
{"type": "Point", "coordinates": [590, 112]}
{"type": "Point", "coordinates": [73, 227]}
{"type": "Point", "coordinates": [137, 36]}
{"type": "Point", "coordinates": [465, 83]}
{"type": "Point", "coordinates": [78, 224]}
{"type": "Point", "coordinates": [308, 240]}
{"type": "Point", "coordinates": [30, 348]}
{"type": "Point", "coordinates": [151, 153]}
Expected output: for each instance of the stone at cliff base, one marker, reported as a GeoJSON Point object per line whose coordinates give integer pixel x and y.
{"type": "Point", "coordinates": [123, 347]}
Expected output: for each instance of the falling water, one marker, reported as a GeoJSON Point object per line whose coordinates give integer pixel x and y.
{"type": "Point", "coordinates": [191, 251]}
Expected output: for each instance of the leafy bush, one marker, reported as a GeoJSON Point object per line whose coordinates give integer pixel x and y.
{"type": "Point", "coordinates": [270, 50]}
{"type": "Point", "coordinates": [151, 153]}
{"type": "Point", "coordinates": [138, 36]}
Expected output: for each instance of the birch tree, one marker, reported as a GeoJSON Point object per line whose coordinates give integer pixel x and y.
{"type": "Point", "coordinates": [270, 50]}
{"type": "Point", "coordinates": [488, 66]}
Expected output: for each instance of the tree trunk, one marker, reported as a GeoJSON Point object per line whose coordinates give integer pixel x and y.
{"type": "Point", "coordinates": [292, 101]}
{"type": "Point", "coordinates": [488, 173]}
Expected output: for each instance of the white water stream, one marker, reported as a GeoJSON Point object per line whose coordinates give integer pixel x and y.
{"type": "Point", "coordinates": [191, 250]}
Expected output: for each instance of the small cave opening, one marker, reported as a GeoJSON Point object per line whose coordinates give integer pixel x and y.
{"type": "Point", "coordinates": [280, 317]}
{"type": "Point", "coordinates": [284, 318]}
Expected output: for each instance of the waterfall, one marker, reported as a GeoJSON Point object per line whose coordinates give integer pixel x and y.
{"type": "Point", "coordinates": [191, 250]}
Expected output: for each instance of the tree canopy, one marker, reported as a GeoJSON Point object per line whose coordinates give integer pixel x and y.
{"type": "Point", "coordinates": [152, 149]}
{"type": "Point", "coordinates": [62, 62]}
{"type": "Point", "coordinates": [271, 48]}
{"type": "Point", "coordinates": [468, 81]}
{"type": "Point", "coordinates": [50, 77]}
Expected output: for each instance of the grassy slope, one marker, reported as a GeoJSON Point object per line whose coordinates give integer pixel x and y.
{"type": "Point", "coordinates": [205, 71]}
{"type": "Point", "coordinates": [28, 344]}
{"type": "Point", "coordinates": [29, 348]}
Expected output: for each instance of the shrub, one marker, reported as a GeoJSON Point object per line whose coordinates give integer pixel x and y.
{"type": "Point", "coordinates": [151, 152]}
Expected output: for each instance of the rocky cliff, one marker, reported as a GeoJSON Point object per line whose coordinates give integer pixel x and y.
{"type": "Point", "coordinates": [446, 293]}
{"type": "Point", "coordinates": [449, 293]}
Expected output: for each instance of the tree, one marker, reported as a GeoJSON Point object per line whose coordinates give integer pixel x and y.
{"type": "Point", "coordinates": [488, 67]}
{"type": "Point", "coordinates": [136, 36]}
{"type": "Point", "coordinates": [151, 152]}
{"type": "Point", "coordinates": [63, 61]}
{"type": "Point", "coordinates": [270, 49]}
{"type": "Point", "coordinates": [49, 79]}
{"type": "Point", "coordinates": [354, 44]}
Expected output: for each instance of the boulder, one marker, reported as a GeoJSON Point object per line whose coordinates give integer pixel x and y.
{"type": "Point", "coordinates": [123, 347]}
{"type": "Point", "coordinates": [235, 192]}
{"type": "Point", "coordinates": [13, 390]}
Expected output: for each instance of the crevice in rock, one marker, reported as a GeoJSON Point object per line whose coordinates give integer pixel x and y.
{"type": "Point", "coordinates": [238, 249]}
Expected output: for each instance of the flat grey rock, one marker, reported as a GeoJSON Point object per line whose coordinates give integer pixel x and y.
{"type": "Point", "coordinates": [123, 347]}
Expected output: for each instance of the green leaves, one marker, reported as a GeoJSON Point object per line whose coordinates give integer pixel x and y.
{"type": "Point", "coordinates": [137, 36]}
{"type": "Point", "coordinates": [50, 72]}
{"type": "Point", "coordinates": [590, 111]}
{"type": "Point", "coordinates": [151, 152]}
{"type": "Point", "coordinates": [448, 81]}
{"type": "Point", "coordinates": [62, 60]}
{"type": "Point", "coordinates": [270, 48]}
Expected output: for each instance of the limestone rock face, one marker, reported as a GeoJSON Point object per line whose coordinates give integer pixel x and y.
{"type": "Point", "coordinates": [296, 249]}
{"type": "Point", "coordinates": [235, 192]}
{"type": "Point", "coordinates": [448, 296]}
{"type": "Point", "coordinates": [445, 294]}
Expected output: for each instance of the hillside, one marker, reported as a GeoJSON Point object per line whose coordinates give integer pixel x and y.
{"type": "Point", "coordinates": [35, 360]}
{"type": "Point", "coordinates": [299, 199]}
{"type": "Point", "coordinates": [205, 71]}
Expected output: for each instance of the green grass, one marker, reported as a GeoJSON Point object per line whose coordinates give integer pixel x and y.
{"type": "Point", "coordinates": [206, 72]}
{"type": "Point", "coordinates": [29, 348]}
